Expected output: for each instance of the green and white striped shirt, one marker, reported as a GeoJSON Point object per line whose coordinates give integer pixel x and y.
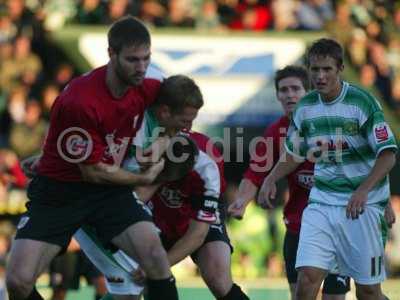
{"type": "Point", "coordinates": [343, 137]}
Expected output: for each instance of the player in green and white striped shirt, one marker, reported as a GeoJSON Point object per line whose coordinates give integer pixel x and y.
{"type": "Point", "coordinates": [340, 127]}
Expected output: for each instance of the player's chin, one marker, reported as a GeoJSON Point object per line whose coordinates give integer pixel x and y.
{"type": "Point", "coordinates": [136, 81]}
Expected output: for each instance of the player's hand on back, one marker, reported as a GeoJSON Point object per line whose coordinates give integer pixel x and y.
{"type": "Point", "coordinates": [267, 193]}
{"type": "Point", "coordinates": [146, 157]}
{"type": "Point", "coordinates": [152, 172]}
{"type": "Point", "coordinates": [356, 204]}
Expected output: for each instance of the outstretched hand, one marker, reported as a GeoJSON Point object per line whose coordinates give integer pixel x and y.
{"type": "Point", "coordinates": [237, 208]}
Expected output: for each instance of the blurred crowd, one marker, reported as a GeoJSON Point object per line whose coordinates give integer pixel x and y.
{"type": "Point", "coordinates": [33, 70]}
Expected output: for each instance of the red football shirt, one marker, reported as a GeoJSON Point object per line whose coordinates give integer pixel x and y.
{"type": "Point", "coordinates": [88, 125]}
{"type": "Point", "coordinates": [194, 197]}
{"type": "Point", "coordinates": [265, 156]}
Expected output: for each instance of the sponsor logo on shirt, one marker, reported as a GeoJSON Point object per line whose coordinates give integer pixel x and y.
{"type": "Point", "coordinates": [74, 144]}
{"type": "Point", "coordinates": [381, 133]}
{"type": "Point", "coordinates": [171, 198]}
{"type": "Point", "coordinates": [350, 128]}
{"type": "Point", "coordinates": [305, 179]}
{"type": "Point", "coordinates": [211, 204]}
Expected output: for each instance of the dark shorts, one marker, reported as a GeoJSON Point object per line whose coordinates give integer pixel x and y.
{"type": "Point", "coordinates": [215, 233]}
{"type": "Point", "coordinates": [66, 270]}
{"type": "Point", "coordinates": [57, 209]}
{"type": "Point", "coordinates": [333, 284]}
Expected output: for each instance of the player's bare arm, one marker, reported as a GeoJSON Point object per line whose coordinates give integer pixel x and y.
{"type": "Point", "coordinates": [384, 163]}
{"type": "Point", "coordinates": [146, 157]}
{"type": "Point", "coordinates": [105, 174]}
{"type": "Point", "coordinates": [246, 193]}
{"type": "Point", "coordinates": [189, 242]}
{"type": "Point", "coordinates": [287, 164]}
{"type": "Point", "coordinates": [145, 192]}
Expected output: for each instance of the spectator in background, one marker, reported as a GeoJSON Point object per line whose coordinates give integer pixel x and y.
{"type": "Point", "coordinates": [11, 174]}
{"type": "Point", "coordinates": [48, 96]}
{"type": "Point", "coordinates": [16, 104]}
{"type": "Point", "coordinates": [342, 27]}
{"type": "Point", "coordinates": [63, 75]}
{"type": "Point", "coordinates": [7, 64]}
{"type": "Point", "coordinates": [367, 76]}
{"type": "Point", "coordinates": [377, 56]}
{"type": "Point", "coordinates": [284, 12]}
{"type": "Point", "coordinates": [180, 13]}
{"type": "Point", "coordinates": [19, 65]}
{"type": "Point", "coordinates": [226, 11]}
{"type": "Point", "coordinates": [153, 12]}
{"type": "Point", "coordinates": [116, 9]}
{"type": "Point", "coordinates": [358, 48]}
{"type": "Point", "coordinates": [8, 30]}
{"type": "Point", "coordinates": [313, 14]}
{"type": "Point", "coordinates": [253, 15]}
{"type": "Point", "coordinates": [34, 127]}
{"type": "Point", "coordinates": [208, 17]}
{"type": "Point", "coordinates": [26, 22]}
{"type": "Point", "coordinates": [396, 93]}
{"type": "Point", "coordinates": [90, 12]}
{"type": "Point", "coordinates": [28, 65]}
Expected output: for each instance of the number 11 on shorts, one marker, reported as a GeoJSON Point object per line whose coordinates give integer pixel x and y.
{"type": "Point", "coordinates": [376, 265]}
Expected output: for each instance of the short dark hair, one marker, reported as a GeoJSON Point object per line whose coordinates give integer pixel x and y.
{"type": "Point", "coordinates": [178, 92]}
{"type": "Point", "coordinates": [326, 47]}
{"type": "Point", "coordinates": [293, 71]}
{"type": "Point", "coordinates": [128, 31]}
{"type": "Point", "coordinates": [181, 146]}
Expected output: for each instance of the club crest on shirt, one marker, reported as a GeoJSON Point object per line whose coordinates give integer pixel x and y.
{"type": "Point", "coordinates": [381, 132]}
{"type": "Point", "coordinates": [306, 179]}
{"type": "Point", "coordinates": [171, 198]}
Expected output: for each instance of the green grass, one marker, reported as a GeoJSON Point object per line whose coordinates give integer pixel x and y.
{"type": "Point", "coordinates": [262, 289]}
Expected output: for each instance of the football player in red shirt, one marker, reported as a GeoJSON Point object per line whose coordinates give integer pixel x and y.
{"type": "Point", "coordinates": [79, 178]}
{"type": "Point", "coordinates": [291, 84]}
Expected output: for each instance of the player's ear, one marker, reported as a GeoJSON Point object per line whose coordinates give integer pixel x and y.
{"type": "Point", "coordinates": [111, 53]}
{"type": "Point", "coordinates": [164, 113]}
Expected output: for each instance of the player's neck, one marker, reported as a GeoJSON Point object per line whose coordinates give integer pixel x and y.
{"type": "Point", "coordinates": [115, 86]}
{"type": "Point", "coordinates": [333, 94]}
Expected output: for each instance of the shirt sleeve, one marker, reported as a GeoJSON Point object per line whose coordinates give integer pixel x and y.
{"type": "Point", "coordinates": [295, 143]}
{"type": "Point", "coordinates": [206, 189]}
{"type": "Point", "coordinates": [378, 133]}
